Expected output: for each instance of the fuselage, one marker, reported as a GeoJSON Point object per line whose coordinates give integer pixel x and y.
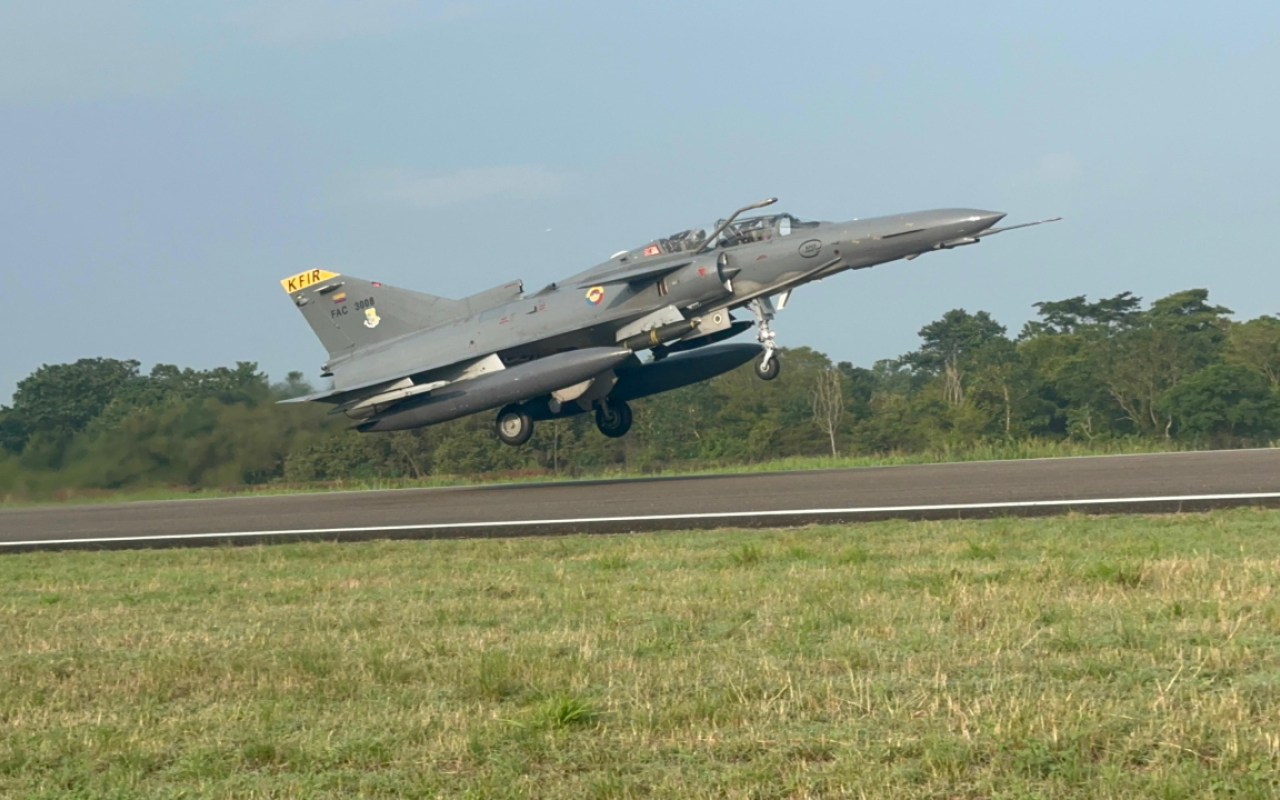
{"type": "Point", "coordinates": [773, 256]}
{"type": "Point", "coordinates": [756, 258]}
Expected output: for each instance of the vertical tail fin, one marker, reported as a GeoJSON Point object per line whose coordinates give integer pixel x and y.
{"type": "Point", "coordinates": [349, 313]}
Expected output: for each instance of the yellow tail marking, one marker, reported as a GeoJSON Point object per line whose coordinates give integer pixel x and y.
{"type": "Point", "coordinates": [304, 279]}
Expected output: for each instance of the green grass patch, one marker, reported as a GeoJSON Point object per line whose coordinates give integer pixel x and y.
{"type": "Point", "coordinates": [1063, 657]}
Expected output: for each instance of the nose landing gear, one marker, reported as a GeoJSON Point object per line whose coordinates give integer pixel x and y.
{"type": "Point", "coordinates": [768, 367]}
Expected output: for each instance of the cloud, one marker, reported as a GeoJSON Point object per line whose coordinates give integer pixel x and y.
{"type": "Point", "coordinates": [419, 190]}
{"type": "Point", "coordinates": [302, 22]}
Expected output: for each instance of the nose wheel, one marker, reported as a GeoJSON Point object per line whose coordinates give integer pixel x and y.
{"type": "Point", "coordinates": [514, 426]}
{"type": "Point", "coordinates": [613, 418]}
{"type": "Point", "coordinates": [768, 366]}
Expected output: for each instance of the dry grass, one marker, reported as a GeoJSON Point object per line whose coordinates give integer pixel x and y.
{"type": "Point", "coordinates": [1067, 657]}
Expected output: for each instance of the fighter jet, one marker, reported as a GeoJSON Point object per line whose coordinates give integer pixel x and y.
{"type": "Point", "coordinates": [401, 359]}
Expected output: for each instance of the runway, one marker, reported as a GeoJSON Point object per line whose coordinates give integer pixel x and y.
{"type": "Point", "coordinates": [1166, 482]}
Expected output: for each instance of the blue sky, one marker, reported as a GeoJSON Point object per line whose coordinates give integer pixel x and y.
{"type": "Point", "coordinates": [162, 165]}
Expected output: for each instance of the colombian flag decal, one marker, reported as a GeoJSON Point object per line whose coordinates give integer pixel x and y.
{"type": "Point", "coordinates": [595, 294]}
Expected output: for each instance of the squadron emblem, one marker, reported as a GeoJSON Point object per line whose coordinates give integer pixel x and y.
{"type": "Point", "coordinates": [371, 318]}
{"type": "Point", "coordinates": [595, 294]}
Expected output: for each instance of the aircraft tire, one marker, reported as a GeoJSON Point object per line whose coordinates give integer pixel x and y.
{"type": "Point", "coordinates": [768, 372]}
{"type": "Point", "coordinates": [514, 426]}
{"type": "Point", "coordinates": [613, 418]}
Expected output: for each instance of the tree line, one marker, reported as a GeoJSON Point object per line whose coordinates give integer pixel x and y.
{"type": "Point", "coordinates": [1179, 369]}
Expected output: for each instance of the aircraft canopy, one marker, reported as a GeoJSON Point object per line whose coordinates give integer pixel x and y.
{"type": "Point", "coordinates": [748, 229]}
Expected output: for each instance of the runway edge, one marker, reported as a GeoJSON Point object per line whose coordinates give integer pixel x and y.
{"type": "Point", "coordinates": [666, 522]}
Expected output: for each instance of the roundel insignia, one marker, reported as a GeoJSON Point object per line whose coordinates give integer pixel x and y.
{"type": "Point", "coordinates": [595, 294]}
{"type": "Point", "coordinates": [810, 248]}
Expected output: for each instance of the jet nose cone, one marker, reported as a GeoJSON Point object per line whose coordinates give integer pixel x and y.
{"type": "Point", "coordinates": [988, 218]}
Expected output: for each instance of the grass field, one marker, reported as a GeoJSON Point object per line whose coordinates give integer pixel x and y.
{"type": "Point", "coordinates": [1012, 450]}
{"type": "Point", "coordinates": [1064, 657]}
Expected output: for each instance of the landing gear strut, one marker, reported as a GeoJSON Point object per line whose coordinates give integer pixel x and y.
{"type": "Point", "coordinates": [613, 418]}
{"type": "Point", "coordinates": [768, 367]}
{"type": "Point", "coordinates": [514, 426]}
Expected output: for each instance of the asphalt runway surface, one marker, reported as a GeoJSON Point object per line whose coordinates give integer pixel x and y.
{"type": "Point", "coordinates": [1168, 482]}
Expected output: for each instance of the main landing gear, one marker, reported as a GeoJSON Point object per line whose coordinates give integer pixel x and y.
{"type": "Point", "coordinates": [613, 418]}
{"type": "Point", "coordinates": [768, 366]}
{"type": "Point", "coordinates": [514, 426]}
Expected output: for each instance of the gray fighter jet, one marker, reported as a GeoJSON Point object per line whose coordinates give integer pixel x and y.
{"type": "Point", "coordinates": [401, 359]}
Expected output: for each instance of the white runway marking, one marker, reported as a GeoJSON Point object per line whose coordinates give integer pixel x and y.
{"type": "Point", "coordinates": [652, 518]}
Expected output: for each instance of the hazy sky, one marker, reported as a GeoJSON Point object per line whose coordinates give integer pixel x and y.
{"type": "Point", "coordinates": [163, 164]}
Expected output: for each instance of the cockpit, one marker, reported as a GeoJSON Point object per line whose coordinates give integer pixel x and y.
{"type": "Point", "coordinates": [742, 231]}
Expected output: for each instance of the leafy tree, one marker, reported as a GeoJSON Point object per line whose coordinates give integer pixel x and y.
{"type": "Point", "coordinates": [167, 386]}
{"type": "Point", "coordinates": [1179, 335]}
{"type": "Point", "coordinates": [1190, 313]}
{"type": "Point", "coordinates": [199, 442]}
{"type": "Point", "coordinates": [337, 456]}
{"type": "Point", "coordinates": [11, 477]}
{"type": "Point", "coordinates": [13, 433]}
{"type": "Point", "coordinates": [1255, 344]}
{"type": "Point", "coordinates": [1067, 350]}
{"type": "Point", "coordinates": [948, 345]}
{"type": "Point", "coordinates": [411, 453]}
{"type": "Point", "coordinates": [1225, 402]}
{"type": "Point", "coordinates": [1005, 385]}
{"type": "Point", "coordinates": [895, 375]}
{"type": "Point", "coordinates": [57, 401]}
{"type": "Point", "coordinates": [293, 385]}
{"type": "Point", "coordinates": [860, 385]}
{"type": "Point", "coordinates": [897, 422]}
{"type": "Point", "coordinates": [1077, 314]}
